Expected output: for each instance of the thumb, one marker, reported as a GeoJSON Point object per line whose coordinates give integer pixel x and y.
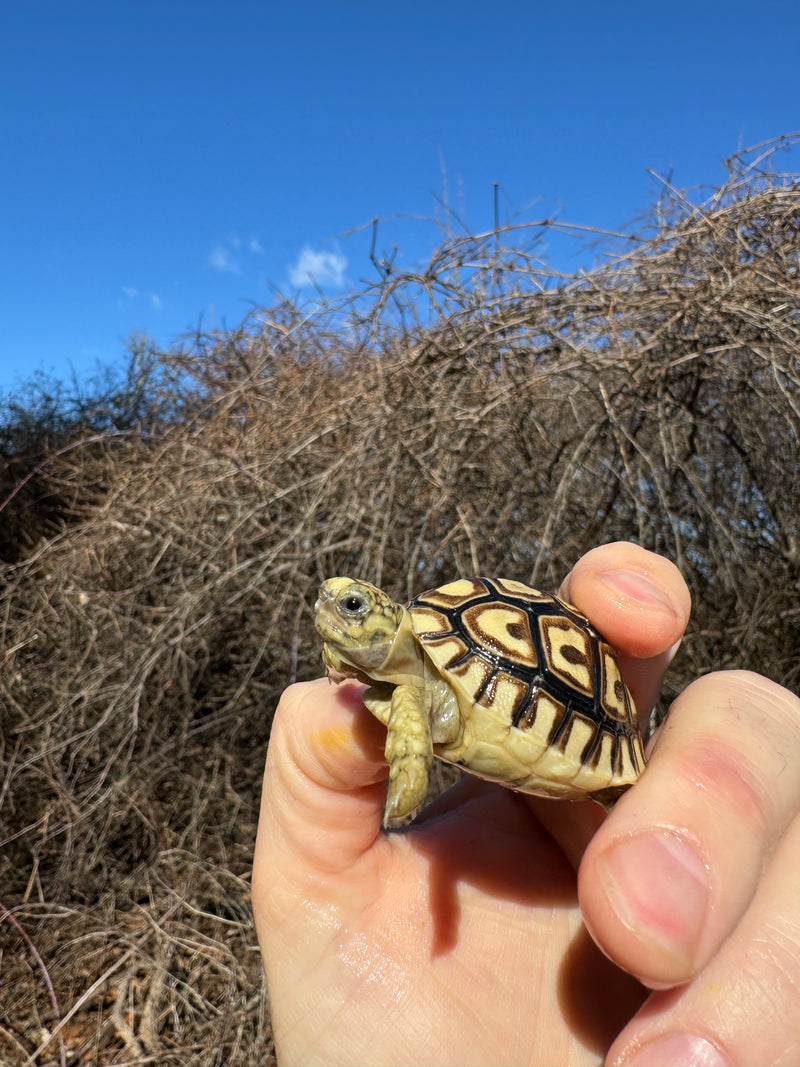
{"type": "Point", "coordinates": [324, 784]}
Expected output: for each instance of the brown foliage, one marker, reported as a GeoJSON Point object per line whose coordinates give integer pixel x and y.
{"type": "Point", "coordinates": [484, 415]}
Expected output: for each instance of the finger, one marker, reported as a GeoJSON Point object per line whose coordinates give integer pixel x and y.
{"type": "Point", "coordinates": [742, 1008]}
{"type": "Point", "coordinates": [324, 782]}
{"type": "Point", "coordinates": [668, 876]}
{"type": "Point", "coordinates": [640, 602]}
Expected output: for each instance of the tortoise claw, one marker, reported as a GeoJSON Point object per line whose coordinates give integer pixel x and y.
{"type": "Point", "coordinates": [408, 787]}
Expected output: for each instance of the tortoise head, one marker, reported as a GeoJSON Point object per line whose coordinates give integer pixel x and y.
{"type": "Point", "coordinates": [367, 635]}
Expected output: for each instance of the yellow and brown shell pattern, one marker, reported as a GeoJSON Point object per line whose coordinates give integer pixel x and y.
{"type": "Point", "coordinates": [537, 662]}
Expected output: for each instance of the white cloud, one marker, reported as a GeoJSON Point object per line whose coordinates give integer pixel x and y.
{"type": "Point", "coordinates": [318, 268]}
{"type": "Point", "coordinates": [132, 295]}
{"type": "Point", "coordinates": [222, 259]}
{"type": "Point", "coordinates": [230, 254]}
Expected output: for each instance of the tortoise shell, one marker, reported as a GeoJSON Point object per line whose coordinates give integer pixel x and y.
{"type": "Point", "coordinates": [538, 681]}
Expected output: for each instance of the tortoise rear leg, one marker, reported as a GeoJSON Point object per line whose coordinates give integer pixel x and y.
{"type": "Point", "coordinates": [409, 752]}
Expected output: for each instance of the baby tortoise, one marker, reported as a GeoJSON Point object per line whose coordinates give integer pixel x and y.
{"type": "Point", "coordinates": [509, 683]}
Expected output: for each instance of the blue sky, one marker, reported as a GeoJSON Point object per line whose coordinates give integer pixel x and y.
{"type": "Point", "coordinates": [167, 164]}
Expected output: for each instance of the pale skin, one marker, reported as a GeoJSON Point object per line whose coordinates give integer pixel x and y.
{"type": "Point", "coordinates": [464, 939]}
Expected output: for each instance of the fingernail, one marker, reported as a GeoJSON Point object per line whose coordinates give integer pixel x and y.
{"type": "Point", "coordinates": [670, 654]}
{"type": "Point", "coordinates": [658, 887]}
{"type": "Point", "coordinates": [636, 586]}
{"type": "Point", "coordinates": [677, 1050]}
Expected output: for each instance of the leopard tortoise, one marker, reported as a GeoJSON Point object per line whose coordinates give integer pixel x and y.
{"type": "Point", "coordinates": [509, 683]}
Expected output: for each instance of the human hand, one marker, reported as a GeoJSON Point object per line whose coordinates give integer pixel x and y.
{"type": "Point", "coordinates": [461, 939]}
{"type": "Point", "coordinates": [692, 883]}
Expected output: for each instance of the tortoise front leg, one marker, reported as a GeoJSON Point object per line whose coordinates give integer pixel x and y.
{"type": "Point", "coordinates": [409, 752]}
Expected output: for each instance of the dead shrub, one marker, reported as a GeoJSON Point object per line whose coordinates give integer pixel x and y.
{"type": "Point", "coordinates": [481, 415]}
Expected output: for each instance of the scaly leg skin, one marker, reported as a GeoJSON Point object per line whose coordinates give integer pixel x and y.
{"type": "Point", "coordinates": [409, 752]}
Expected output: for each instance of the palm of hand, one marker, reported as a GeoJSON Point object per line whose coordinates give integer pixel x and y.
{"type": "Point", "coordinates": [458, 941]}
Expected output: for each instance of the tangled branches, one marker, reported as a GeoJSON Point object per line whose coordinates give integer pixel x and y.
{"type": "Point", "coordinates": [484, 414]}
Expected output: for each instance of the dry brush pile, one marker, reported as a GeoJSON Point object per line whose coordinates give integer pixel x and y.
{"type": "Point", "coordinates": [482, 415]}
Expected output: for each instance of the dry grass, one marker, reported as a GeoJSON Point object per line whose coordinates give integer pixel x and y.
{"type": "Point", "coordinates": [482, 415]}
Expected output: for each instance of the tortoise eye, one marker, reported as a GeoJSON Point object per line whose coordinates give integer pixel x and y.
{"type": "Point", "coordinates": [353, 604]}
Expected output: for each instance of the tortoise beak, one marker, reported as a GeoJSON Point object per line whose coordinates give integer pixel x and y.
{"type": "Point", "coordinates": [326, 622]}
{"type": "Point", "coordinates": [324, 594]}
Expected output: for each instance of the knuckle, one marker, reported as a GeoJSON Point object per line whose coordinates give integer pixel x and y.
{"type": "Point", "coordinates": [734, 737]}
